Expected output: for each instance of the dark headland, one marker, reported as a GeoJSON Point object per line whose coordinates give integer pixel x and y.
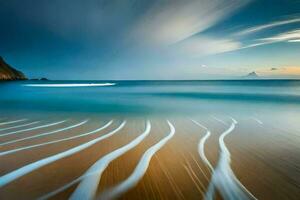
{"type": "Point", "coordinates": [8, 73]}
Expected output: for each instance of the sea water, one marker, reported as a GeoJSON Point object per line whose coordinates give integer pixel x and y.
{"type": "Point", "coordinates": [149, 97]}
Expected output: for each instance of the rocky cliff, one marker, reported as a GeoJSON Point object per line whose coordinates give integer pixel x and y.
{"type": "Point", "coordinates": [9, 73]}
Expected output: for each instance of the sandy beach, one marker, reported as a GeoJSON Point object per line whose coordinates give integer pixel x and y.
{"type": "Point", "coordinates": [260, 162]}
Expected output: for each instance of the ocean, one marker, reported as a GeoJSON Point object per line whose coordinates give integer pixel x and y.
{"type": "Point", "coordinates": [149, 97]}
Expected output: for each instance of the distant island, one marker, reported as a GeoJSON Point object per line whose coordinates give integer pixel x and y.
{"type": "Point", "coordinates": [8, 73]}
{"type": "Point", "coordinates": [252, 75]}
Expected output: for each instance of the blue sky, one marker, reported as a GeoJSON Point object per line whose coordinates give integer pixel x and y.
{"type": "Point", "coordinates": [158, 39]}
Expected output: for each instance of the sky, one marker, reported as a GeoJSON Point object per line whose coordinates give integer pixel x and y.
{"type": "Point", "coordinates": [157, 39]}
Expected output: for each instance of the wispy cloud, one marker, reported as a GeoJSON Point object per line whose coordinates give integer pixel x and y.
{"type": "Point", "coordinates": [287, 36]}
{"type": "Point", "coordinates": [259, 28]}
{"type": "Point", "coordinates": [201, 46]}
{"type": "Point", "coordinates": [128, 25]}
{"type": "Point", "coordinates": [290, 36]}
{"type": "Point", "coordinates": [177, 26]}
{"type": "Point", "coordinates": [294, 40]}
{"type": "Point", "coordinates": [171, 22]}
{"type": "Point", "coordinates": [256, 44]}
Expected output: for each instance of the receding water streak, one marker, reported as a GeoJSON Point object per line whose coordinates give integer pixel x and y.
{"type": "Point", "coordinates": [219, 120]}
{"type": "Point", "coordinates": [11, 176]}
{"type": "Point", "coordinates": [88, 187]}
{"type": "Point", "coordinates": [139, 171]}
{"type": "Point", "coordinates": [257, 120]}
{"type": "Point", "coordinates": [201, 145]}
{"type": "Point", "coordinates": [18, 126]}
{"type": "Point", "coordinates": [44, 134]}
{"type": "Point", "coordinates": [92, 176]}
{"type": "Point", "coordinates": [56, 141]}
{"type": "Point", "coordinates": [11, 122]}
{"type": "Point", "coordinates": [223, 177]}
{"type": "Point", "coordinates": [34, 128]}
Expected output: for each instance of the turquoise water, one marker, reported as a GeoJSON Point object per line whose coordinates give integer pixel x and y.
{"type": "Point", "coordinates": [149, 97]}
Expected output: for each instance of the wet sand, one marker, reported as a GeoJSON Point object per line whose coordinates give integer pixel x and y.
{"type": "Point", "coordinates": [264, 158]}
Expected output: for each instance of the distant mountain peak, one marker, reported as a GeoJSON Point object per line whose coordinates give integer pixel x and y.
{"type": "Point", "coordinates": [252, 75]}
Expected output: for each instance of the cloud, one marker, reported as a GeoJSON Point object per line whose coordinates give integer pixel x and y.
{"type": "Point", "coordinates": [290, 36]}
{"type": "Point", "coordinates": [282, 71]}
{"type": "Point", "coordinates": [176, 27]}
{"type": "Point", "coordinates": [202, 46]}
{"type": "Point", "coordinates": [259, 28]}
{"type": "Point", "coordinates": [294, 40]}
{"type": "Point", "coordinates": [127, 26]}
{"type": "Point", "coordinates": [169, 22]}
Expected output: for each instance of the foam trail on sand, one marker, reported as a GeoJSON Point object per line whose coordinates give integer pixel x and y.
{"type": "Point", "coordinates": [11, 176]}
{"type": "Point", "coordinates": [45, 134]}
{"type": "Point", "coordinates": [88, 187]}
{"type": "Point", "coordinates": [219, 120]}
{"type": "Point", "coordinates": [56, 141]}
{"type": "Point", "coordinates": [11, 122]}
{"type": "Point", "coordinates": [90, 179]}
{"type": "Point", "coordinates": [18, 126]}
{"type": "Point", "coordinates": [257, 120]}
{"type": "Point", "coordinates": [223, 177]}
{"type": "Point", "coordinates": [34, 128]}
{"type": "Point", "coordinates": [139, 171]}
{"type": "Point", "coordinates": [201, 145]}
{"type": "Point", "coordinates": [71, 85]}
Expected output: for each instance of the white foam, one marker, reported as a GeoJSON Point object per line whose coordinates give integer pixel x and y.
{"type": "Point", "coordinates": [201, 145]}
{"type": "Point", "coordinates": [70, 85]}
{"type": "Point", "coordinates": [223, 177]}
{"type": "Point", "coordinates": [219, 120]}
{"type": "Point", "coordinates": [88, 187]}
{"type": "Point", "coordinates": [257, 120]}
{"type": "Point", "coordinates": [11, 122]}
{"type": "Point", "coordinates": [45, 134]}
{"type": "Point", "coordinates": [11, 176]}
{"type": "Point", "coordinates": [31, 129]}
{"type": "Point", "coordinates": [139, 171]}
{"type": "Point", "coordinates": [92, 176]}
{"type": "Point", "coordinates": [56, 141]}
{"type": "Point", "coordinates": [19, 126]}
